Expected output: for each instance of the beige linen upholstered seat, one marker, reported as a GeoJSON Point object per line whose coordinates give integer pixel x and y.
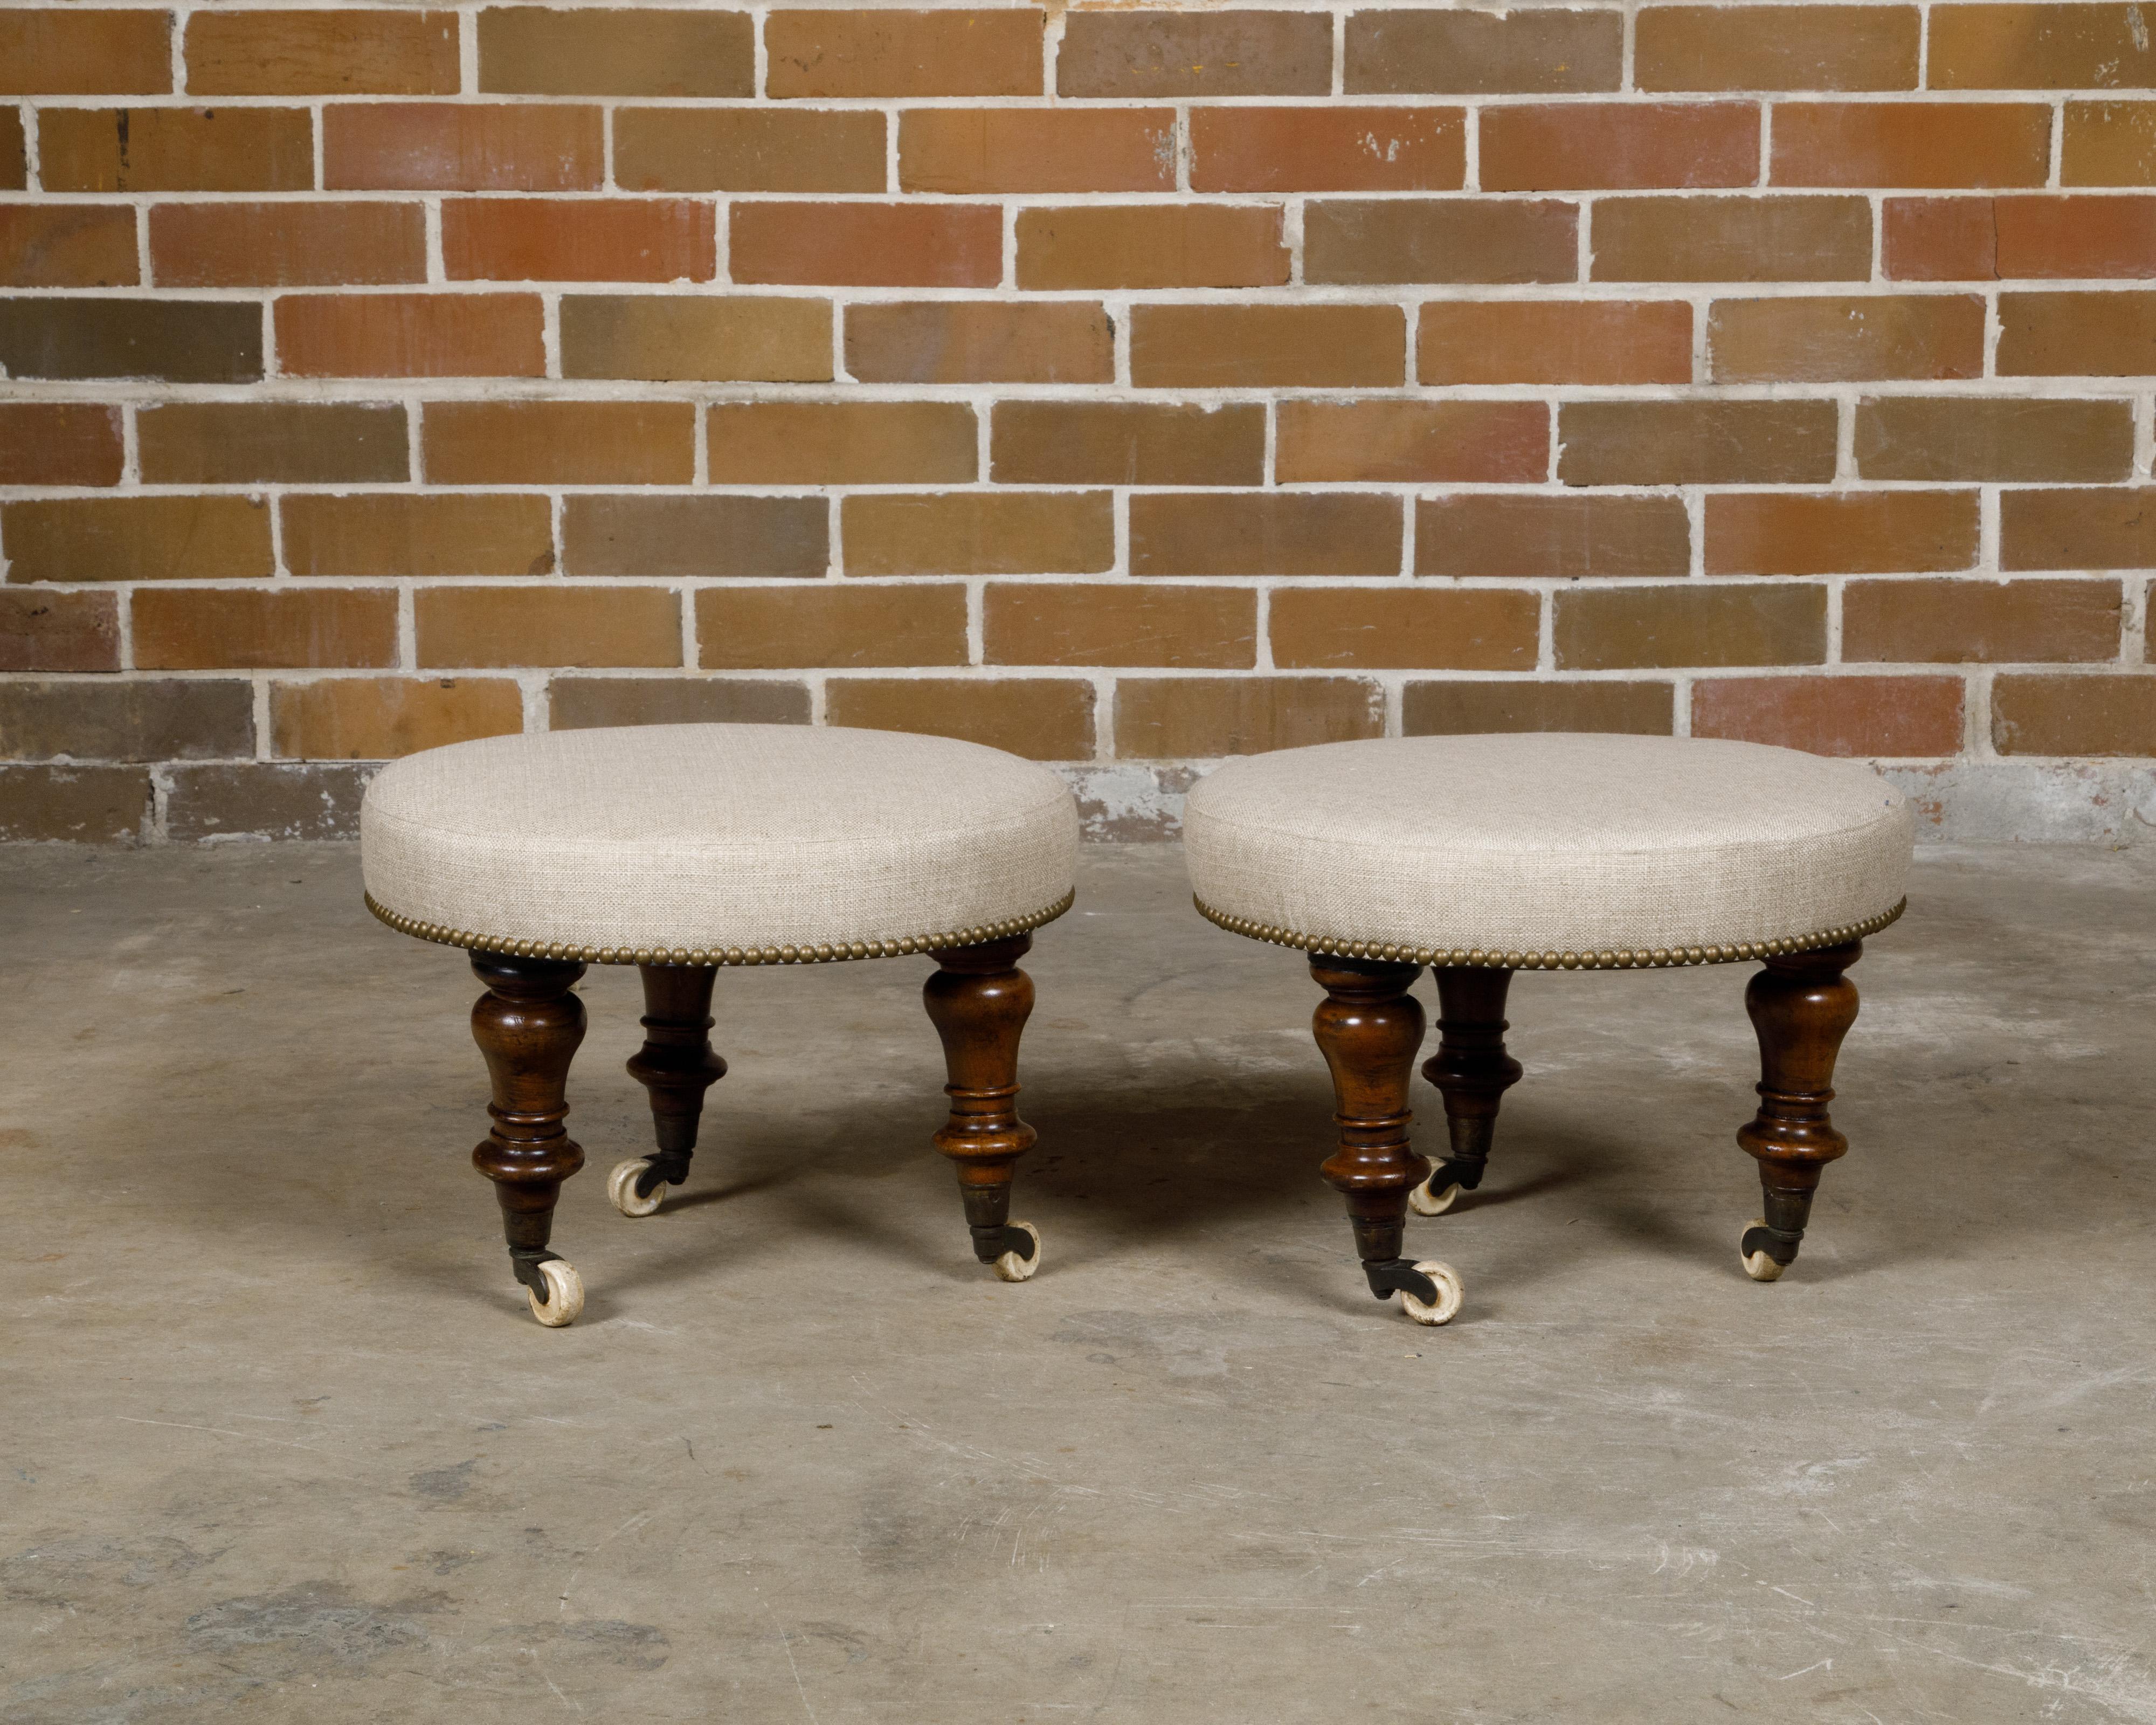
{"type": "Point", "coordinates": [1479, 856]}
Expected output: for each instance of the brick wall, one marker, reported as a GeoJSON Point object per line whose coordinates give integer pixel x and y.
{"type": "Point", "coordinates": [1125, 387]}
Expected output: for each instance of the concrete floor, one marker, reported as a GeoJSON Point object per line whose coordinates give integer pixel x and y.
{"type": "Point", "coordinates": [282, 1444]}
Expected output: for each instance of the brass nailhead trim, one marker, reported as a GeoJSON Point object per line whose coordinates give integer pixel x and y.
{"type": "Point", "coordinates": [703, 957]}
{"type": "Point", "coordinates": [1476, 958]}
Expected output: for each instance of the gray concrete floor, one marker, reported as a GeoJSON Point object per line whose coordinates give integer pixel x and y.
{"type": "Point", "coordinates": [282, 1444]}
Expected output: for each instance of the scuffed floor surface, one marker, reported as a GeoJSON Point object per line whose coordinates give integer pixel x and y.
{"type": "Point", "coordinates": [281, 1442]}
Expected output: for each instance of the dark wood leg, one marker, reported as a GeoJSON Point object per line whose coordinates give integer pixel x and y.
{"type": "Point", "coordinates": [1471, 1067]}
{"type": "Point", "coordinates": [1369, 1030]}
{"type": "Point", "coordinates": [528, 1025]}
{"type": "Point", "coordinates": [979, 1000]}
{"type": "Point", "coordinates": [1802, 1006]}
{"type": "Point", "coordinates": [676, 1065]}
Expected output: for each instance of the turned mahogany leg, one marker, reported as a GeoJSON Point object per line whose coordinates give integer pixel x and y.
{"type": "Point", "coordinates": [1802, 1006]}
{"type": "Point", "coordinates": [1471, 1067]}
{"type": "Point", "coordinates": [979, 1000]}
{"type": "Point", "coordinates": [1369, 1030]}
{"type": "Point", "coordinates": [528, 1025]}
{"type": "Point", "coordinates": [676, 1065]}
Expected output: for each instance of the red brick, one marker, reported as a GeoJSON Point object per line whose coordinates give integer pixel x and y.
{"type": "Point", "coordinates": [1939, 238]}
{"type": "Point", "coordinates": [979, 533]}
{"type": "Point", "coordinates": [867, 245]}
{"type": "Point", "coordinates": [1152, 245]}
{"type": "Point", "coordinates": [410, 336]}
{"type": "Point", "coordinates": [1265, 533]}
{"type": "Point", "coordinates": [1399, 626]}
{"type": "Point", "coordinates": [2066, 713]}
{"type": "Point", "coordinates": [1708, 441]}
{"type": "Point", "coordinates": [41, 630]}
{"type": "Point", "coordinates": [2109, 528]}
{"type": "Point", "coordinates": [936, 52]}
{"type": "Point", "coordinates": [1965, 238]}
{"type": "Point", "coordinates": [1554, 341]}
{"type": "Point", "coordinates": [2109, 144]}
{"type": "Point", "coordinates": [175, 149]}
{"type": "Point", "coordinates": [462, 146]}
{"type": "Point", "coordinates": [1178, 718]}
{"type": "Point", "coordinates": [838, 624]}
{"type": "Point", "coordinates": [1819, 339]}
{"type": "Point", "coordinates": [1440, 239]}
{"type": "Point", "coordinates": [1152, 54]}
{"type": "Point", "coordinates": [558, 443]}
{"type": "Point", "coordinates": [2041, 47]}
{"type": "Point", "coordinates": [1838, 46]}
{"type": "Point", "coordinates": [1042, 718]}
{"type": "Point", "coordinates": [381, 718]}
{"type": "Point", "coordinates": [1105, 443]}
{"type": "Point", "coordinates": [291, 244]}
{"type": "Point", "coordinates": [1874, 716]}
{"type": "Point", "coordinates": [1911, 144]}
{"type": "Point", "coordinates": [214, 538]}
{"type": "Point", "coordinates": [239, 628]}
{"type": "Point", "coordinates": [59, 443]}
{"type": "Point", "coordinates": [578, 239]}
{"type": "Point", "coordinates": [973, 150]}
{"type": "Point", "coordinates": [1251, 346]}
{"type": "Point", "coordinates": [2077, 335]}
{"type": "Point", "coordinates": [842, 442]}
{"type": "Point", "coordinates": [604, 50]}
{"type": "Point", "coordinates": [1732, 240]}
{"type": "Point", "coordinates": [1412, 442]}
{"type": "Point", "coordinates": [1493, 534]}
{"type": "Point", "coordinates": [1458, 51]}
{"type": "Point", "coordinates": [1121, 623]}
{"type": "Point", "coordinates": [63, 245]}
{"type": "Point", "coordinates": [320, 52]}
{"type": "Point", "coordinates": [747, 150]}
{"type": "Point", "coordinates": [1334, 149]}
{"type": "Point", "coordinates": [1840, 532]}
{"type": "Point", "coordinates": [14, 165]}
{"type": "Point", "coordinates": [1979, 622]}
{"type": "Point", "coordinates": [55, 51]}
{"type": "Point", "coordinates": [1616, 146]}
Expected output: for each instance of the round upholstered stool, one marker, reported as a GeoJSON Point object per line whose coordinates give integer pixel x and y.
{"type": "Point", "coordinates": [1478, 856]}
{"type": "Point", "coordinates": [683, 848]}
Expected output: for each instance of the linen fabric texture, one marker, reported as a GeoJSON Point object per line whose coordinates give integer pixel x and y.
{"type": "Point", "coordinates": [718, 836]}
{"type": "Point", "coordinates": [1545, 842]}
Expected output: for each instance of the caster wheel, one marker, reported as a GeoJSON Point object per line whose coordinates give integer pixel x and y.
{"type": "Point", "coordinates": [565, 1294]}
{"type": "Point", "coordinates": [621, 1189]}
{"type": "Point", "coordinates": [1449, 1293]}
{"type": "Point", "coordinates": [1011, 1267]}
{"type": "Point", "coordinates": [1423, 1202]}
{"type": "Point", "coordinates": [1758, 1264]}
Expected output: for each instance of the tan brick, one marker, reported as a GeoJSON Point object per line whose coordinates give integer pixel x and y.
{"type": "Point", "coordinates": [410, 336]}
{"type": "Point", "coordinates": [1820, 339]}
{"type": "Point", "coordinates": [141, 719]}
{"type": "Point", "coordinates": [64, 245]}
{"type": "Point", "coordinates": [1911, 144]}
{"type": "Point", "coordinates": [1253, 346]}
{"type": "Point", "coordinates": [1265, 533]}
{"type": "Point", "coordinates": [996, 53]}
{"type": "Point", "coordinates": [2063, 713]}
{"type": "Point", "coordinates": [397, 533]}
{"type": "Point", "coordinates": [1554, 341]}
{"type": "Point", "coordinates": [179, 340]}
{"type": "Point", "coordinates": [1472, 709]}
{"type": "Point", "coordinates": [959, 341]}
{"type": "Point", "coordinates": [1042, 718]}
{"type": "Point", "coordinates": [264, 799]}
{"type": "Point", "coordinates": [2101, 335]}
{"type": "Point", "coordinates": [14, 161]}
{"type": "Point", "coordinates": [976, 150]}
{"type": "Point", "coordinates": [1833, 715]}
{"type": "Point", "coordinates": [381, 718]}
{"type": "Point", "coordinates": [1155, 54]}
{"type": "Point", "coordinates": [747, 150]}
{"type": "Point", "coordinates": [1121, 623]}
{"type": "Point", "coordinates": [243, 628]}
{"type": "Point", "coordinates": [212, 538]}
{"type": "Point", "coordinates": [1078, 443]}
{"type": "Point", "coordinates": [462, 146]}
{"type": "Point", "coordinates": [1473, 53]}
{"type": "Point", "coordinates": [1168, 718]}
{"type": "Point", "coordinates": [842, 442]}
{"type": "Point", "coordinates": [1642, 627]}
{"type": "Point", "coordinates": [1618, 146]}
{"type": "Point", "coordinates": [1951, 437]}
{"type": "Point", "coordinates": [1332, 149]}
{"type": "Point", "coordinates": [600, 50]}
{"type": "Point", "coordinates": [848, 624]}
{"type": "Point", "coordinates": [580, 703]}
{"type": "Point", "coordinates": [1412, 442]}
{"type": "Point", "coordinates": [867, 245]}
{"type": "Point", "coordinates": [320, 52]}
{"type": "Point", "coordinates": [59, 443]}
{"type": "Point", "coordinates": [579, 239]}
{"type": "Point", "coordinates": [2041, 47]}
{"type": "Point", "coordinates": [41, 630]}
{"type": "Point", "coordinates": [1439, 240]}
{"type": "Point", "coordinates": [291, 244]}
{"type": "Point", "coordinates": [1151, 246]}
{"type": "Point", "coordinates": [1732, 240]}
{"type": "Point", "coordinates": [979, 533]}
{"type": "Point", "coordinates": [1840, 532]}
{"type": "Point", "coordinates": [1703, 442]}
{"type": "Point", "coordinates": [558, 443]}
{"type": "Point", "coordinates": [460, 627]}
{"type": "Point", "coordinates": [670, 537]}
{"type": "Point", "coordinates": [1979, 622]}
{"type": "Point", "coordinates": [2109, 144]}
{"type": "Point", "coordinates": [1418, 628]}
{"type": "Point", "coordinates": [2099, 529]}
{"type": "Point", "coordinates": [71, 51]}
{"type": "Point", "coordinates": [74, 805]}
{"type": "Point", "coordinates": [229, 442]}
{"type": "Point", "coordinates": [1838, 47]}
{"type": "Point", "coordinates": [659, 337]}
{"type": "Point", "coordinates": [1492, 534]}
{"type": "Point", "coordinates": [175, 149]}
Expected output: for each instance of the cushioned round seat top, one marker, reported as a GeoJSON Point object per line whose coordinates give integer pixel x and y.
{"type": "Point", "coordinates": [716, 844]}
{"type": "Point", "coordinates": [1544, 850]}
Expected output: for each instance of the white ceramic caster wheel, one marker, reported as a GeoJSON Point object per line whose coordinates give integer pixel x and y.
{"type": "Point", "coordinates": [565, 1294]}
{"type": "Point", "coordinates": [1758, 1264]}
{"type": "Point", "coordinates": [621, 1189]}
{"type": "Point", "coordinates": [1011, 1267]}
{"type": "Point", "coordinates": [1425, 1202]}
{"type": "Point", "coordinates": [1449, 1293]}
